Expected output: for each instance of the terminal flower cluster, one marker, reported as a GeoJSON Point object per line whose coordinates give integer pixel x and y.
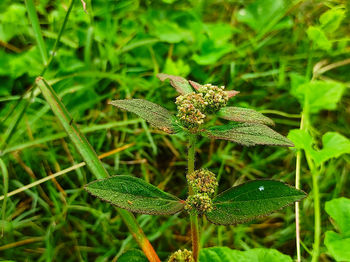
{"type": "Point", "coordinates": [192, 107]}
{"type": "Point", "coordinates": [181, 256]}
{"type": "Point", "coordinates": [214, 96]}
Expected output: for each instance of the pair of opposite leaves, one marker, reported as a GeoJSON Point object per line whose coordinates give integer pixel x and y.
{"type": "Point", "coordinates": [238, 204]}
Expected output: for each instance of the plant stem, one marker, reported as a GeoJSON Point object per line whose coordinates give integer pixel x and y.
{"type": "Point", "coordinates": [140, 237]}
{"type": "Point", "coordinates": [297, 186]}
{"type": "Point", "coordinates": [193, 216]}
{"type": "Point", "coordinates": [317, 214]}
{"type": "Point", "coordinates": [92, 161]}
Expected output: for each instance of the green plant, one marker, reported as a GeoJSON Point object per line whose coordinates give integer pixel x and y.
{"type": "Point", "coordinates": [196, 104]}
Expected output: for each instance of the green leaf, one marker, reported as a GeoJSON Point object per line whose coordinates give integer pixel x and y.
{"type": "Point", "coordinates": [302, 140]}
{"type": "Point", "coordinates": [338, 244]}
{"type": "Point", "coordinates": [212, 51]}
{"type": "Point", "coordinates": [264, 15]}
{"type": "Point", "coordinates": [339, 210]}
{"type": "Point", "coordinates": [225, 254]}
{"type": "Point", "coordinates": [250, 200]}
{"type": "Point", "coordinates": [135, 195]}
{"type": "Point", "coordinates": [155, 114]}
{"type": "Point", "coordinates": [320, 95]}
{"type": "Point", "coordinates": [331, 19]}
{"type": "Point", "coordinates": [248, 135]}
{"type": "Point", "coordinates": [181, 84]}
{"type": "Point", "coordinates": [319, 38]}
{"type": "Point", "coordinates": [246, 115]}
{"type": "Point", "coordinates": [133, 255]}
{"type": "Point", "coordinates": [334, 145]}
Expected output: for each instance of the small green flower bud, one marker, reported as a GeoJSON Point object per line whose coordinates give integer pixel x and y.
{"type": "Point", "coordinates": [190, 107]}
{"type": "Point", "coordinates": [202, 181]}
{"type": "Point", "coordinates": [199, 202]}
{"type": "Point", "coordinates": [181, 256]}
{"type": "Point", "coordinates": [214, 96]}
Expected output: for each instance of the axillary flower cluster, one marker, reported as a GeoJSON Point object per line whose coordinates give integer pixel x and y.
{"type": "Point", "coordinates": [203, 183]}
{"type": "Point", "coordinates": [193, 107]}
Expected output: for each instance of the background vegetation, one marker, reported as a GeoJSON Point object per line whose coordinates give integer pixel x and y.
{"type": "Point", "coordinates": [265, 49]}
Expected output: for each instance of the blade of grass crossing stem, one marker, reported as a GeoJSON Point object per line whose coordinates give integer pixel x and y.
{"type": "Point", "coordinates": [92, 161]}
{"type": "Point", "coordinates": [33, 17]}
{"type": "Point", "coordinates": [5, 177]}
{"type": "Point", "coordinates": [21, 106]}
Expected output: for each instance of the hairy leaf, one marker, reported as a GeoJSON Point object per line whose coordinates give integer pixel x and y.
{"type": "Point", "coordinates": [338, 243]}
{"type": "Point", "coordinates": [250, 200]}
{"type": "Point", "coordinates": [155, 114]}
{"type": "Point", "coordinates": [246, 115]}
{"type": "Point", "coordinates": [248, 135]}
{"type": "Point", "coordinates": [135, 195]}
{"type": "Point", "coordinates": [181, 84]}
{"type": "Point", "coordinates": [225, 254]}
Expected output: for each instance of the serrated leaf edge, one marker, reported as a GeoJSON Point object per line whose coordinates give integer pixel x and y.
{"type": "Point", "coordinates": [131, 210]}
{"type": "Point", "coordinates": [258, 216]}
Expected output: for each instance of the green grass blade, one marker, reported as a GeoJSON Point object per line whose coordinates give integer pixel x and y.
{"type": "Point", "coordinates": [92, 161]}
{"type": "Point", "coordinates": [33, 17]}
{"type": "Point", "coordinates": [5, 177]}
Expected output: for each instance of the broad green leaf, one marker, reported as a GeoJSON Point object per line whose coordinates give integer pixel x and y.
{"type": "Point", "coordinates": [248, 135]}
{"type": "Point", "coordinates": [301, 140]}
{"type": "Point", "coordinates": [246, 115]}
{"type": "Point", "coordinates": [179, 83]}
{"type": "Point", "coordinates": [225, 254]}
{"type": "Point", "coordinates": [211, 52]}
{"type": "Point", "coordinates": [155, 114]}
{"type": "Point", "coordinates": [135, 195]}
{"type": "Point", "coordinates": [133, 255]}
{"type": "Point", "coordinates": [338, 246]}
{"type": "Point", "coordinates": [321, 95]}
{"type": "Point", "coordinates": [178, 67]}
{"type": "Point", "coordinates": [331, 19]}
{"type": "Point", "coordinates": [339, 210]}
{"type": "Point", "coordinates": [338, 243]}
{"type": "Point", "coordinates": [250, 200]}
{"type": "Point", "coordinates": [170, 32]}
{"type": "Point", "coordinates": [319, 38]}
{"type": "Point", "coordinates": [264, 15]}
{"type": "Point", "coordinates": [334, 145]}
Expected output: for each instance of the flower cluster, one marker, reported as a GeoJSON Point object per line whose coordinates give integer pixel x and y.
{"type": "Point", "coordinates": [190, 107]}
{"type": "Point", "coordinates": [214, 96]}
{"type": "Point", "coordinates": [202, 181]}
{"type": "Point", "coordinates": [181, 256]}
{"type": "Point", "coordinates": [199, 202]}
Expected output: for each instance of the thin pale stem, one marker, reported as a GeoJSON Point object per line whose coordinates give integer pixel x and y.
{"type": "Point", "coordinates": [297, 185]}
{"type": "Point", "coordinates": [193, 216]}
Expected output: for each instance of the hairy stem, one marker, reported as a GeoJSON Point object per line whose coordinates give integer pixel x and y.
{"type": "Point", "coordinates": [138, 235]}
{"type": "Point", "coordinates": [193, 216]}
